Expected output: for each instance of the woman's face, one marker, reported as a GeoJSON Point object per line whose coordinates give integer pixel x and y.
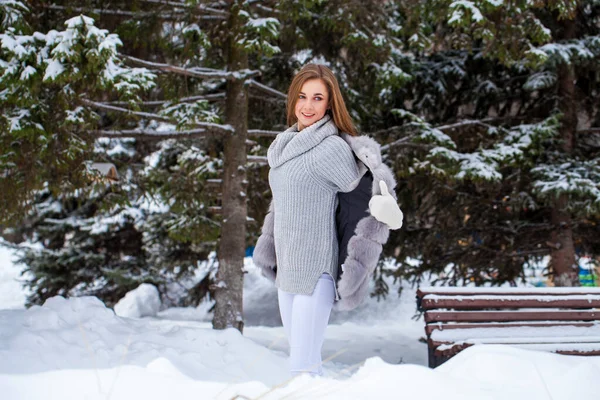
{"type": "Point", "coordinates": [312, 103]}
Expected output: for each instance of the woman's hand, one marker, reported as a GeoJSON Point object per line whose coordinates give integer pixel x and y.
{"type": "Point", "coordinates": [264, 256]}
{"type": "Point", "coordinates": [385, 209]}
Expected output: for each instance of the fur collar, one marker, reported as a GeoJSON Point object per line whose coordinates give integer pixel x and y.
{"type": "Point", "coordinates": [369, 235]}
{"type": "Point", "coordinates": [368, 151]}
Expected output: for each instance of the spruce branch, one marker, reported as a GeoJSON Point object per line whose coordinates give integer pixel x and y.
{"type": "Point", "coordinates": [150, 134]}
{"type": "Point", "coordinates": [135, 14]}
{"type": "Point", "coordinates": [160, 103]}
{"type": "Point", "coordinates": [210, 128]}
{"type": "Point", "coordinates": [266, 89]}
{"type": "Point", "coordinates": [199, 7]}
{"type": "Point", "coordinates": [260, 132]}
{"type": "Point", "coordinates": [201, 73]}
{"type": "Point", "coordinates": [257, 159]}
{"type": "Point", "coordinates": [464, 123]}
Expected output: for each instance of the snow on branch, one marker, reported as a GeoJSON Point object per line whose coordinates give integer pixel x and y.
{"type": "Point", "coordinates": [266, 89]}
{"type": "Point", "coordinates": [159, 103]}
{"type": "Point", "coordinates": [12, 12]}
{"type": "Point", "coordinates": [181, 4]}
{"type": "Point", "coordinates": [210, 128]}
{"type": "Point", "coordinates": [201, 73]}
{"type": "Point", "coordinates": [443, 158]}
{"type": "Point", "coordinates": [262, 7]}
{"type": "Point", "coordinates": [540, 80]}
{"type": "Point", "coordinates": [428, 133]}
{"type": "Point", "coordinates": [467, 122]}
{"type": "Point", "coordinates": [207, 97]}
{"type": "Point", "coordinates": [135, 14]}
{"type": "Point", "coordinates": [406, 140]}
{"type": "Point", "coordinates": [580, 179]}
{"type": "Point", "coordinates": [485, 163]}
{"type": "Point", "coordinates": [258, 33]}
{"type": "Point", "coordinates": [257, 159]}
{"type": "Point", "coordinates": [462, 10]}
{"type": "Point", "coordinates": [100, 52]}
{"type": "Point", "coordinates": [63, 62]}
{"type": "Point", "coordinates": [190, 133]}
{"type": "Point", "coordinates": [260, 132]}
{"type": "Point", "coordinates": [151, 134]}
{"type": "Point", "coordinates": [568, 52]}
{"type": "Point", "coordinates": [402, 141]}
{"type": "Point", "coordinates": [124, 110]}
{"type": "Point", "coordinates": [188, 115]}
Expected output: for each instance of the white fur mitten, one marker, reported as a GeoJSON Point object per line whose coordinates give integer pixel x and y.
{"type": "Point", "coordinates": [385, 209]}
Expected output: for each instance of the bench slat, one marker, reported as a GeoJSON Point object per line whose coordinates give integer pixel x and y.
{"type": "Point", "coordinates": [516, 301]}
{"type": "Point", "coordinates": [547, 291]}
{"type": "Point", "coordinates": [515, 334]}
{"type": "Point", "coordinates": [503, 316]}
{"type": "Point", "coordinates": [438, 326]}
{"type": "Point", "coordinates": [574, 341]}
{"type": "Point", "coordinates": [577, 349]}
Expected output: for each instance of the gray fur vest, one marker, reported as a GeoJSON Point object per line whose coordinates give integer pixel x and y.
{"type": "Point", "coordinates": [360, 235]}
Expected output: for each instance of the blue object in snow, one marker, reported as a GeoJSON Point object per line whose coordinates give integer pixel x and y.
{"type": "Point", "coordinates": [586, 275]}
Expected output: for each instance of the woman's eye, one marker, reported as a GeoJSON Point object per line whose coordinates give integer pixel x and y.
{"type": "Point", "coordinates": [318, 98]}
{"type": "Point", "coordinates": [301, 96]}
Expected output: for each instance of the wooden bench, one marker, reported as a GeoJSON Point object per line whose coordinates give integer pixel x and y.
{"type": "Point", "coordinates": [560, 320]}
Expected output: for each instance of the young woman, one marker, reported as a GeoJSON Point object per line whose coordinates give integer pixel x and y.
{"type": "Point", "coordinates": [319, 243]}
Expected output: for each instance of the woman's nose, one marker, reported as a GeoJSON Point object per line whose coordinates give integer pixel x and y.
{"type": "Point", "coordinates": [308, 105]}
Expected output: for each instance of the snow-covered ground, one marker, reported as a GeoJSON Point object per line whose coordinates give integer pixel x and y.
{"type": "Point", "coordinates": [12, 294]}
{"type": "Point", "coordinates": [79, 349]}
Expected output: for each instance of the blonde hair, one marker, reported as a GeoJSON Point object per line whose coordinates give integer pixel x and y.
{"type": "Point", "coordinates": [339, 112]}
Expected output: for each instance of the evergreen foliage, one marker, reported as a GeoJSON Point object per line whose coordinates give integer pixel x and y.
{"type": "Point", "coordinates": [467, 98]}
{"type": "Point", "coordinates": [482, 149]}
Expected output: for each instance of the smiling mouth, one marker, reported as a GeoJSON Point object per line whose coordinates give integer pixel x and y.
{"type": "Point", "coordinates": [308, 115]}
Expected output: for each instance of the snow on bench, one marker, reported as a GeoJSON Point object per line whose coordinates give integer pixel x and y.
{"type": "Point", "coordinates": [553, 291]}
{"type": "Point", "coordinates": [561, 320]}
{"type": "Point", "coordinates": [573, 349]}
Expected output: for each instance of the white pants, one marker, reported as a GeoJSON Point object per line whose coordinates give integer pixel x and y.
{"type": "Point", "coordinates": [304, 321]}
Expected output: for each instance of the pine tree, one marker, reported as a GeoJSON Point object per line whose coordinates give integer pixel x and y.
{"type": "Point", "coordinates": [44, 124]}
{"type": "Point", "coordinates": [493, 173]}
{"type": "Point", "coordinates": [88, 246]}
{"type": "Point", "coordinates": [235, 30]}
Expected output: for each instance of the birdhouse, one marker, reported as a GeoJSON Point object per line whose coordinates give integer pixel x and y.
{"type": "Point", "coordinates": [107, 170]}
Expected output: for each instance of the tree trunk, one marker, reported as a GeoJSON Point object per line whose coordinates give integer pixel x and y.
{"type": "Point", "coordinates": [232, 243]}
{"type": "Point", "coordinates": [563, 252]}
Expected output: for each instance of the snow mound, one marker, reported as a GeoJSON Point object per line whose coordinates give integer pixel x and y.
{"type": "Point", "coordinates": [463, 378]}
{"type": "Point", "coordinates": [144, 301]}
{"type": "Point", "coordinates": [518, 371]}
{"type": "Point", "coordinates": [82, 333]}
{"type": "Point", "coordinates": [78, 348]}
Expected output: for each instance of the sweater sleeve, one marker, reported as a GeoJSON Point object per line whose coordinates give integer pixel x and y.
{"type": "Point", "coordinates": [336, 166]}
{"type": "Point", "coordinates": [264, 252]}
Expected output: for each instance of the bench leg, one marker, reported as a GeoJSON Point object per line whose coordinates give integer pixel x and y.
{"type": "Point", "coordinates": [435, 360]}
{"type": "Point", "coordinates": [432, 357]}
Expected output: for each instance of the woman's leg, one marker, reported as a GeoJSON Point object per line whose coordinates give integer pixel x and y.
{"type": "Point", "coordinates": [309, 318]}
{"type": "Point", "coordinates": [286, 301]}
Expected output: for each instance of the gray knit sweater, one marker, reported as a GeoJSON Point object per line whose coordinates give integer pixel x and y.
{"type": "Point", "coordinates": [308, 168]}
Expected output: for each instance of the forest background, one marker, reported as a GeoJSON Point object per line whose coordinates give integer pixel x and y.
{"type": "Point", "coordinates": [486, 110]}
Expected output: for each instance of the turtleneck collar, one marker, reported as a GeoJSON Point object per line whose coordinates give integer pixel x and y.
{"type": "Point", "coordinates": [291, 143]}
